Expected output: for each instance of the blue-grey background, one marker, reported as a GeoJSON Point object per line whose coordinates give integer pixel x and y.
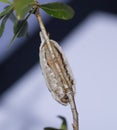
{"type": "Point", "coordinates": [89, 41]}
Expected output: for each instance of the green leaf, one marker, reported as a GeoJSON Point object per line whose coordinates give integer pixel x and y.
{"type": "Point", "coordinates": [6, 16]}
{"type": "Point", "coordinates": [24, 28]}
{"type": "Point", "coordinates": [12, 17]}
{"type": "Point", "coordinates": [58, 10]}
{"type": "Point", "coordinates": [5, 1]}
{"type": "Point", "coordinates": [19, 31]}
{"type": "Point", "coordinates": [50, 128]}
{"type": "Point", "coordinates": [22, 7]}
{"type": "Point", "coordinates": [2, 26]}
{"type": "Point", "coordinates": [64, 123]}
{"type": "Point", "coordinates": [6, 11]}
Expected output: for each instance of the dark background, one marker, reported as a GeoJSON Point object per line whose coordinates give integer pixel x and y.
{"type": "Point", "coordinates": [26, 56]}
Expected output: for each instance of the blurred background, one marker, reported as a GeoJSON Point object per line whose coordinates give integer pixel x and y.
{"type": "Point", "coordinates": [89, 41]}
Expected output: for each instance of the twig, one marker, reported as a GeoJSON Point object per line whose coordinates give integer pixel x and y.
{"type": "Point", "coordinates": [74, 112]}
{"type": "Point", "coordinates": [43, 30]}
{"type": "Point", "coordinates": [59, 72]}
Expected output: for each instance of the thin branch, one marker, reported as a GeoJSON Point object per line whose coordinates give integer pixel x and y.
{"type": "Point", "coordinates": [74, 111]}
{"type": "Point", "coordinates": [70, 95]}
{"type": "Point", "coordinates": [43, 30]}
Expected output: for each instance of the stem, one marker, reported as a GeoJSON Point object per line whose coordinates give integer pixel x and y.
{"type": "Point", "coordinates": [74, 112]}
{"type": "Point", "coordinates": [41, 25]}
{"type": "Point", "coordinates": [71, 96]}
{"type": "Point", "coordinates": [43, 30]}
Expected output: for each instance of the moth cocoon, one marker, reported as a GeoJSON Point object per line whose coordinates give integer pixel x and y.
{"type": "Point", "coordinates": [56, 70]}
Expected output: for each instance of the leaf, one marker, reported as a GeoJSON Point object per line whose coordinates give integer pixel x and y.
{"type": "Point", "coordinates": [58, 10]}
{"type": "Point", "coordinates": [64, 123]}
{"type": "Point", "coordinates": [24, 27]}
{"type": "Point", "coordinates": [6, 16]}
{"type": "Point", "coordinates": [6, 11]}
{"type": "Point", "coordinates": [12, 17]}
{"type": "Point", "coordinates": [50, 128]}
{"type": "Point", "coordinates": [22, 7]}
{"type": "Point", "coordinates": [19, 30]}
{"type": "Point", "coordinates": [5, 1]}
{"type": "Point", "coordinates": [3, 25]}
